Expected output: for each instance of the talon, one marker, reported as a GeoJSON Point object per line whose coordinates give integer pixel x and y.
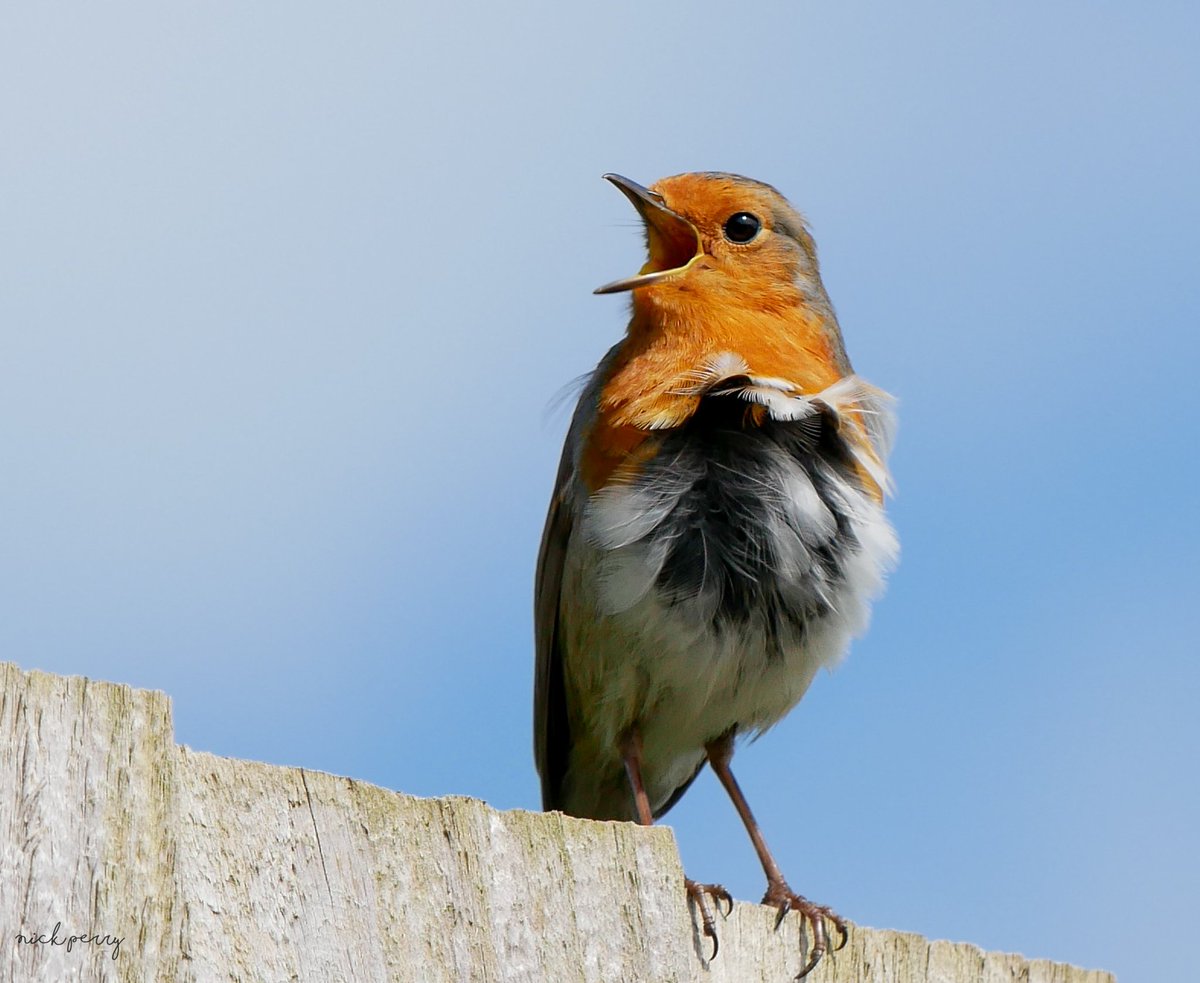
{"type": "Point", "coordinates": [719, 894]}
{"type": "Point", "coordinates": [812, 963]}
{"type": "Point", "coordinates": [843, 932]}
{"type": "Point", "coordinates": [697, 893]}
{"type": "Point", "coordinates": [784, 908]}
{"type": "Point", "coordinates": [785, 899]}
{"type": "Point", "coordinates": [819, 948]}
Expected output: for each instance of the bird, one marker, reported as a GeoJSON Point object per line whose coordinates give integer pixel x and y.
{"type": "Point", "coordinates": [717, 528]}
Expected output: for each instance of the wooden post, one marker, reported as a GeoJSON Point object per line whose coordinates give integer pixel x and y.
{"type": "Point", "coordinates": [208, 868]}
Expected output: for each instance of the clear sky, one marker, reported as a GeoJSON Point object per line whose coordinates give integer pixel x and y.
{"type": "Point", "coordinates": [287, 292]}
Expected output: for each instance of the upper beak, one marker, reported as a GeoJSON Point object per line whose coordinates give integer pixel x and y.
{"type": "Point", "coordinates": [672, 240]}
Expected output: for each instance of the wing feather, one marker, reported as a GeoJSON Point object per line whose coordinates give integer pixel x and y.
{"type": "Point", "coordinates": [551, 730]}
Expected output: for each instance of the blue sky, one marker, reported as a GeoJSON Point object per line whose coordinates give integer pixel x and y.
{"type": "Point", "coordinates": [287, 293]}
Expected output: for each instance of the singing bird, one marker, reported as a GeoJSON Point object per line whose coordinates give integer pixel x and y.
{"type": "Point", "coordinates": [716, 530]}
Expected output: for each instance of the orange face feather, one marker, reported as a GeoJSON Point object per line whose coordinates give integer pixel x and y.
{"type": "Point", "coordinates": [703, 294]}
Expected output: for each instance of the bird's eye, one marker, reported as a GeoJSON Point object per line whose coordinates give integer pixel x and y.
{"type": "Point", "coordinates": [742, 227]}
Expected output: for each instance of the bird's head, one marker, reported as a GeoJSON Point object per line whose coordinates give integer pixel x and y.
{"type": "Point", "coordinates": [721, 239]}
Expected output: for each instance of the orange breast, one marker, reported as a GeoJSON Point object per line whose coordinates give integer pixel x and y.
{"type": "Point", "coordinates": [653, 383]}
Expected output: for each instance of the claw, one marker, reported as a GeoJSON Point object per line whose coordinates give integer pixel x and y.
{"type": "Point", "coordinates": [784, 899]}
{"type": "Point", "coordinates": [784, 908]}
{"type": "Point", "coordinates": [843, 932]}
{"type": "Point", "coordinates": [699, 894]}
{"type": "Point", "coordinates": [813, 959]}
{"type": "Point", "coordinates": [819, 948]}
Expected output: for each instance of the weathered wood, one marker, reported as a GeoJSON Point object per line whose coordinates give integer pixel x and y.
{"type": "Point", "coordinates": [212, 869]}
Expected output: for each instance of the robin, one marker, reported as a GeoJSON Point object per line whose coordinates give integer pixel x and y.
{"type": "Point", "coordinates": [717, 530]}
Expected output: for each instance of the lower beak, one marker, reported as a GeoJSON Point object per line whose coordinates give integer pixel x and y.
{"type": "Point", "coordinates": [672, 241]}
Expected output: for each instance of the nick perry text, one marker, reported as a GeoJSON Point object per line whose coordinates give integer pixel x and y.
{"type": "Point", "coordinates": [54, 938]}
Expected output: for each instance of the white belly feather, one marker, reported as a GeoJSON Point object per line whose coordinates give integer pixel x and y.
{"type": "Point", "coordinates": [689, 639]}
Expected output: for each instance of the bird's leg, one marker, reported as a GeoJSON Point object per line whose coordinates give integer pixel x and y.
{"type": "Point", "coordinates": [778, 895]}
{"type": "Point", "coordinates": [631, 755]}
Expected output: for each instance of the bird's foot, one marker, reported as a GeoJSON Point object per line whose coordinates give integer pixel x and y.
{"type": "Point", "coordinates": [700, 893]}
{"type": "Point", "coordinates": [783, 898]}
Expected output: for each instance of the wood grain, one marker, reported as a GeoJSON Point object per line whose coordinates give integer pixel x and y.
{"type": "Point", "coordinates": [213, 869]}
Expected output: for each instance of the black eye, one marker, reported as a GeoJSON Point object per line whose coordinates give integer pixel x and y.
{"type": "Point", "coordinates": [742, 227]}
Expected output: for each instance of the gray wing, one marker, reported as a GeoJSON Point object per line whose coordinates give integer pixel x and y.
{"type": "Point", "coordinates": [551, 722]}
{"type": "Point", "coordinates": [551, 731]}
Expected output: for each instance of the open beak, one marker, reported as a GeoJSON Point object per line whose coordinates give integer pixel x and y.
{"type": "Point", "coordinates": [673, 242]}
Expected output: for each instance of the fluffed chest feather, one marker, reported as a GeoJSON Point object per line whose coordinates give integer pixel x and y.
{"type": "Point", "coordinates": [737, 559]}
